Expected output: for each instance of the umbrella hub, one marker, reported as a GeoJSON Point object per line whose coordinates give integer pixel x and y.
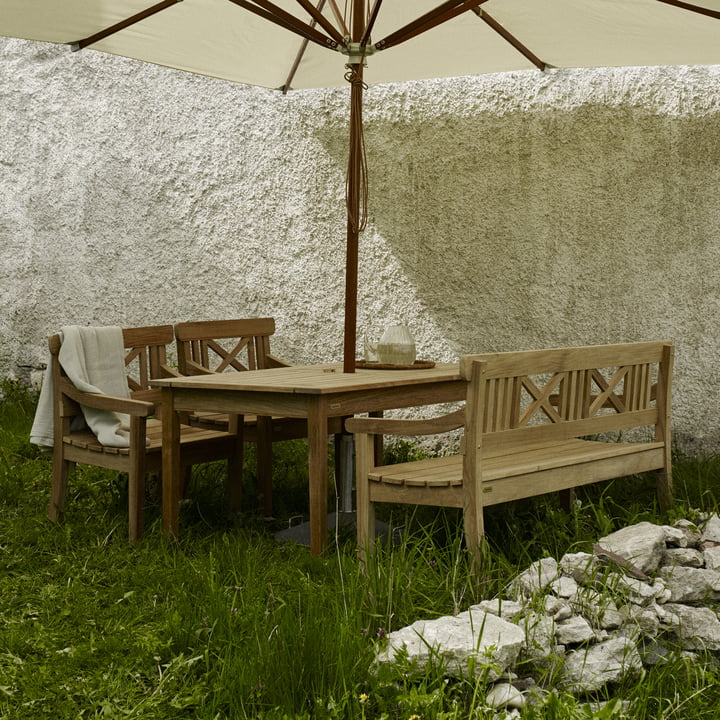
{"type": "Point", "coordinates": [356, 52]}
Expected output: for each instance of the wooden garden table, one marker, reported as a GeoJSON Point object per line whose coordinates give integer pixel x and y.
{"type": "Point", "coordinates": [314, 392]}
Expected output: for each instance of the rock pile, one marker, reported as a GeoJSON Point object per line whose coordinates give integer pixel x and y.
{"type": "Point", "coordinates": [584, 622]}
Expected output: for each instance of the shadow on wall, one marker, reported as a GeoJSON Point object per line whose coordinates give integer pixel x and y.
{"type": "Point", "coordinates": [550, 227]}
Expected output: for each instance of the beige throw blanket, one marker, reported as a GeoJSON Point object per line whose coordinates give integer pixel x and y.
{"type": "Point", "coordinates": [94, 361]}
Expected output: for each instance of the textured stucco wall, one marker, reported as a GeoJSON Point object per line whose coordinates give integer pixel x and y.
{"type": "Point", "coordinates": [506, 212]}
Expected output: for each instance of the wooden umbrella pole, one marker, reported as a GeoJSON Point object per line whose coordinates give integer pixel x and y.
{"type": "Point", "coordinates": [353, 219]}
{"type": "Point", "coordinates": [353, 190]}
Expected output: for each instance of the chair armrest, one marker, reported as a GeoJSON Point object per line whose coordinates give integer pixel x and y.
{"type": "Point", "coordinates": [167, 372]}
{"type": "Point", "coordinates": [391, 426]}
{"type": "Point", "coordinates": [276, 362]}
{"type": "Point", "coordinates": [193, 368]}
{"type": "Point", "coordinates": [139, 408]}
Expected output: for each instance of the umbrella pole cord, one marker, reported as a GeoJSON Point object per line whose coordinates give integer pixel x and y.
{"type": "Point", "coordinates": [356, 180]}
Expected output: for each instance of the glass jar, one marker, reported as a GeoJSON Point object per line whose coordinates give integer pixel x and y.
{"type": "Point", "coordinates": [396, 346]}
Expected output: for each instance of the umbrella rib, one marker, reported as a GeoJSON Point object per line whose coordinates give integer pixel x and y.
{"type": "Point", "coordinates": [340, 19]}
{"type": "Point", "coordinates": [442, 13]}
{"type": "Point", "coordinates": [298, 58]}
{"type": "Point", "coordinates": [371, 22]}
{"type": "Point", "coordinates": [500, 30]}
{"type": "Point", "coordinates": [102, 34]}
{"type": "Point", "coordinates": [318, 17]}
{"type": "Point", "coordinates": [693, 8]}
{"type": "Point", "coordinates": [294, 67]}
{"type": "Point", "coordinates": [278, 16]}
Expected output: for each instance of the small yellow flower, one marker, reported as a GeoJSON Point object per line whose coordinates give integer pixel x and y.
{"type": "Point", "coordinates": [363, 698]}
{"type": "Point", "coordinates": [414, 717]}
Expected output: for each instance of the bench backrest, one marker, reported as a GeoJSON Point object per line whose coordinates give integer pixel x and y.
{"type": "Point", "coordinates": [246, 347]}
{"type": "Point", "coordinates": [539, 396]}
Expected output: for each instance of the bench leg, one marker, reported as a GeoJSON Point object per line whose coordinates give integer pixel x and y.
{"type": "Point", "coordinates": [664, 488]}
{"type": "Point", "coordinates": [567, 499]}
{"type": "Point", "coordinates": [474, 526]}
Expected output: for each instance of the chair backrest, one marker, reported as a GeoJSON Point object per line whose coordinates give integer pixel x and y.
{"type": "Point", "coordinates": [224, 345]}
{"type": "Point", "coordinates": [146, 356]}
{"type": "Point", "coordinates": [565, 393]}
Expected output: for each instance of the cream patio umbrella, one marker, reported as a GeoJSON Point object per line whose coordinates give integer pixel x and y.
{"type": "Point", "coordinates": [295, 44]}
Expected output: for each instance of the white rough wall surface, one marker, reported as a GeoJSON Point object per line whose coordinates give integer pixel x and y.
{"type": "Point", "coordinates": [513, 211]}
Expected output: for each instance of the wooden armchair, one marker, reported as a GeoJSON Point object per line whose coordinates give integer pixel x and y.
{"type": "Point", "coordinates": [238, 345]}
{"type": "Point", "coordinates": [145, 360]}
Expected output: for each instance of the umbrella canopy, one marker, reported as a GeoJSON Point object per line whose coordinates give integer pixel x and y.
{"type": "Point", "coordinates": [294, 44]}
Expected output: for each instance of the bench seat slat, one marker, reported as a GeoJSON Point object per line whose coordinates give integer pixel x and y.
{"type": "Point", "coordinates": [445, 471]}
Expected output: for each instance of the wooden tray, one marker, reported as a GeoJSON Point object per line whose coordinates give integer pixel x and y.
{"type": "Point", "coordinates": [417, 365]}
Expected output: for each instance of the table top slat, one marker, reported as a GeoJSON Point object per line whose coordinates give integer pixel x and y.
{"type": "Point", "coordinates": [313, 379]}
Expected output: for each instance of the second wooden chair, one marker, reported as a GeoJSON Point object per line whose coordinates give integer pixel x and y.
{"type": "Point", "coordinates": [214, 346]}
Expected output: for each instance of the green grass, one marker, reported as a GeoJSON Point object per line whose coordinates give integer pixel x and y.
{"type": "Point", "coordinates": [232, 624]}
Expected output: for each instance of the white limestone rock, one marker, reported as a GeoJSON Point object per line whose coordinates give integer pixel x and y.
{"type": "Point", "coordinates": [675, 537]}
{"type": "Point", "coordinates": [691, 532]}
{"type": "Point", "coordinates": [599, 609]}
{"type": "Point", "coordinates": [698, 627]}
{"type": "Point", "coordinates": [574, 631]}
{"type": "Point", "coordinates": [581, 566]}
{"type": "Point", "coordinates": [589, 669]}
{"type": "Point", "coordinates": [685, 556]}
{"type": "Point", "coordinates": [537, 577]}
{"type": "Point", "coordinates": [564, 587]}
{"type": "Point", "coordinates": [711, 556]}
{"type": "Point", "coordinates": [691, 585]}
{"type": "Point", "coordinates": [505, 695]}
{"type": "Point", "coordinates": [640, 592]}
{"type": "Point", "coordinates": [506, 609]}
{"type": "Point", "coordinates": [642, 544]}
{"type": "Point", "coordinates": [559, 608]}
{"type": "Point", "coordinates": [539, 637]}
{"type": "Point", "coordinates": [711, 529]}
{"type": "Point", "coordinates": [645, 619]}
{"type": "Point", "coordinates": [473, 638]}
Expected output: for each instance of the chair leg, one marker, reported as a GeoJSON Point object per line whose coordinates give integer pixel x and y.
{"type": "Point", "coordinates": [136, 481]}
{"type": "Point", "coordinates": [365, 518]}
{"type": "Point", "coordinates": [379, 443]}
{"type": "Point", "coordinates": [136, 503]}
{"type": "Point", "coordinates": [264, 464]}
{"type": "Point", "coordinates": [235, 465]}
{"type": "Point", "coordinates": [187, 479]}
{"type": "Point", "coordinates": [61, 471]}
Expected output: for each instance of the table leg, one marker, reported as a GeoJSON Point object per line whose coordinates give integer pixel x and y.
{"type": "Point", "coordinates": [170, 466]}
{"type": "Point", "coordinates": [317, 475]}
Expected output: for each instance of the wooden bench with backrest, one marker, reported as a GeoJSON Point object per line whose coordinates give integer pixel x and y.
{"type": "Point", "coordinates": [145, 359]}
{"type": "Point", "coordinates": [534, 422]}
{"type": "Point", "coordinates": [214, 346]}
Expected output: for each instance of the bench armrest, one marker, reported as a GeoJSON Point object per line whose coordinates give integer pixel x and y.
{"type": "Point", "coordinates": [391, 426]}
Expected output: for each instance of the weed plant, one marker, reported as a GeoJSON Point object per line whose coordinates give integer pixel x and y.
{"type": "Point", "coordinates": [232, 624]}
